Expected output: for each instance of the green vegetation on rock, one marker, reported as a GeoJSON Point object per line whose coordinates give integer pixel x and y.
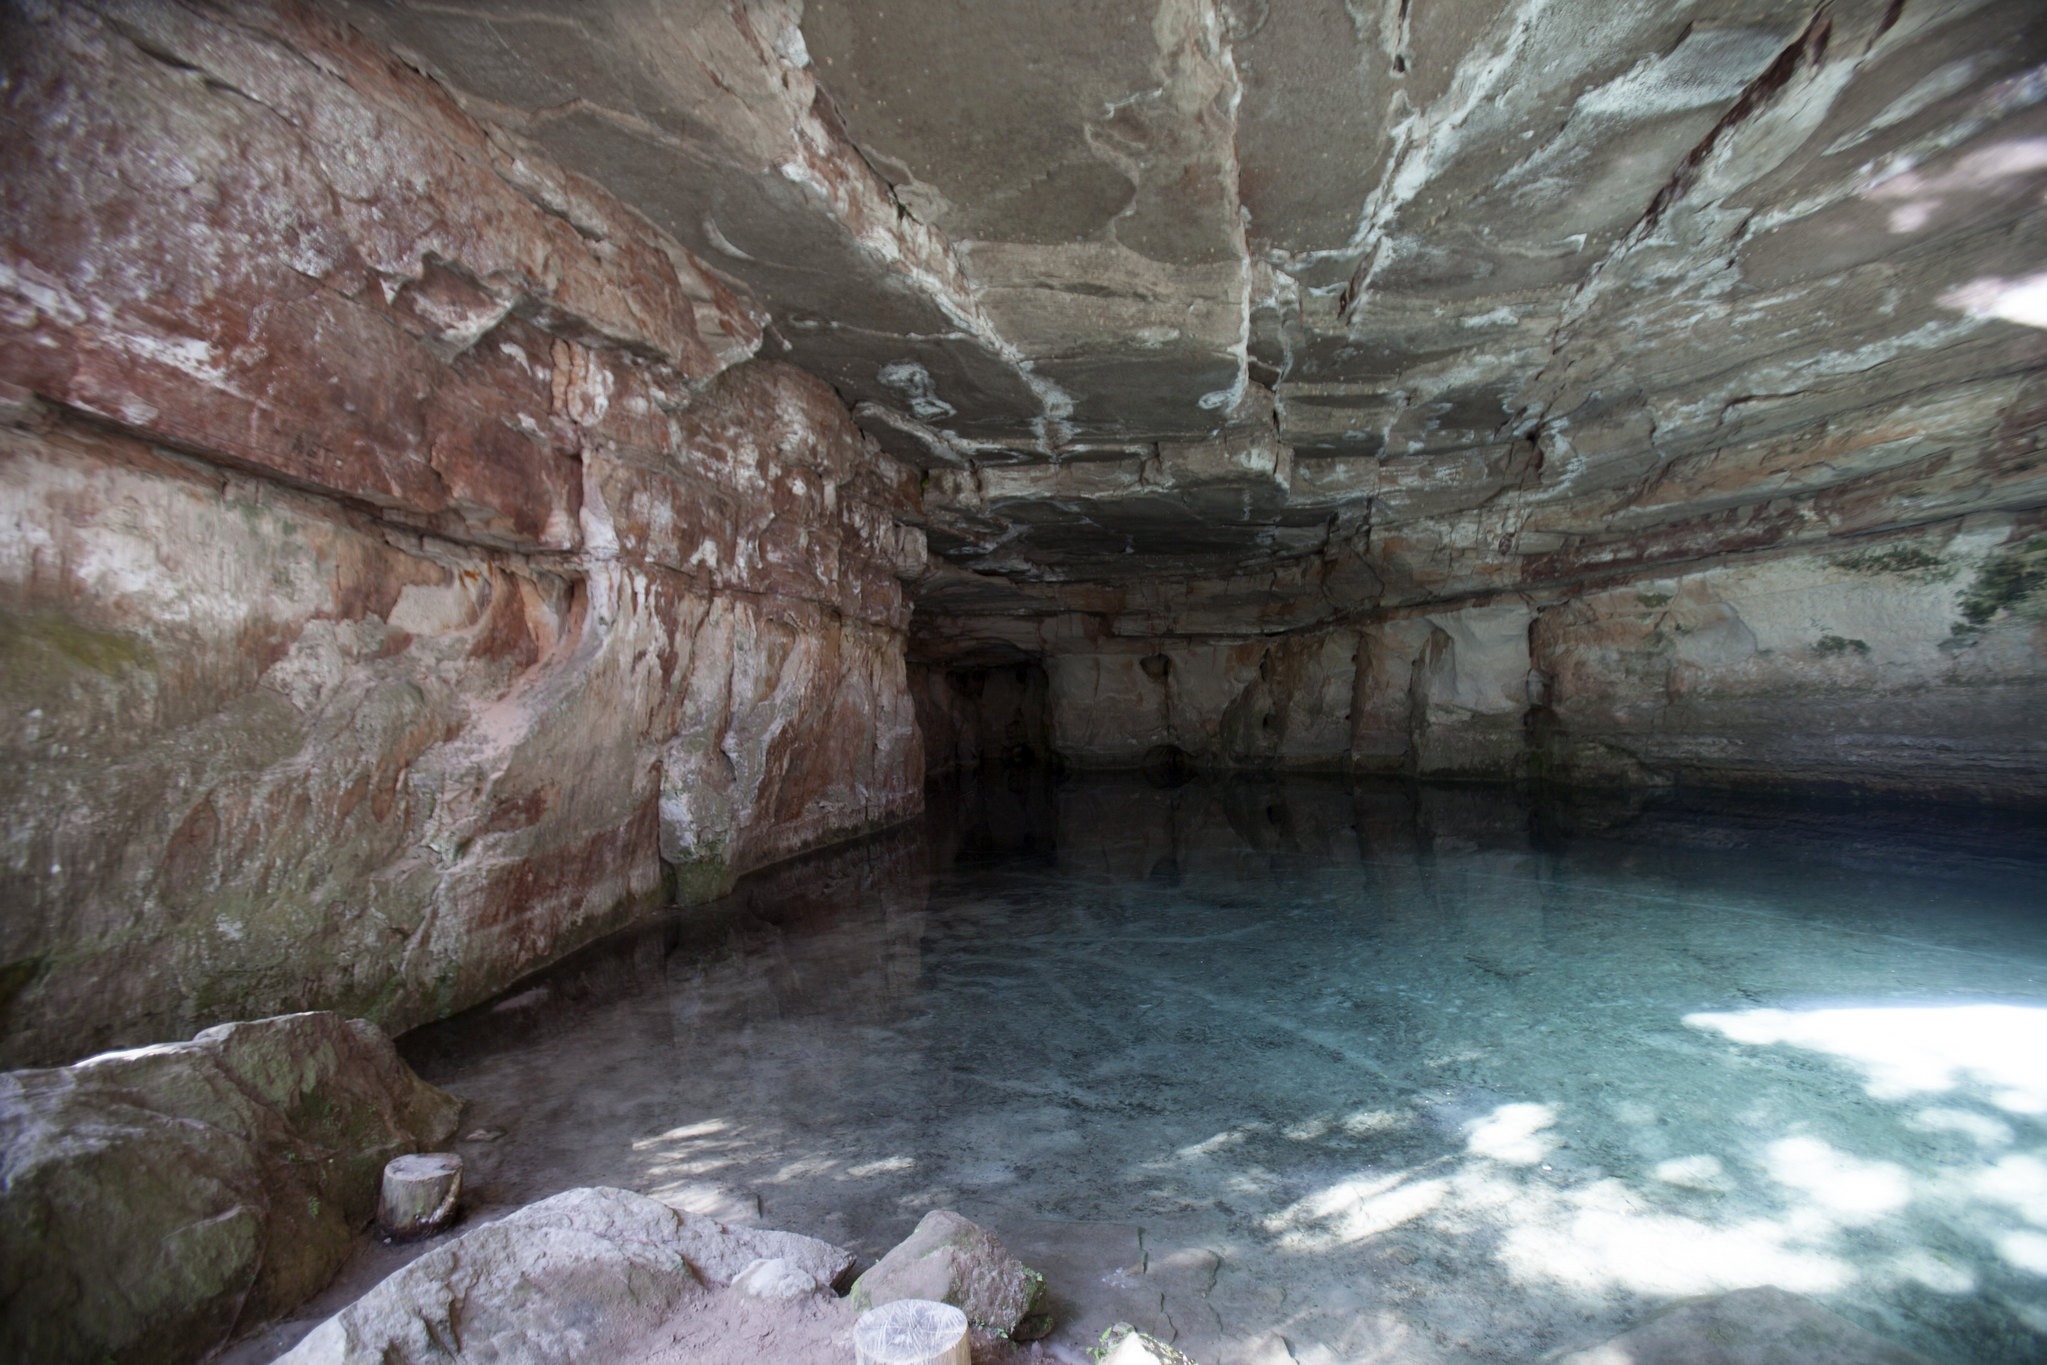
{"type": "Point", "coordinates": [53, 634]}
{"type": "Point", "coordinates": [1903, 560]}
{"type": "Point", "coordinates": [2006, 580]}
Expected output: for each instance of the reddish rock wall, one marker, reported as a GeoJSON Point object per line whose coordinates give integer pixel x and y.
{"type": "Point", "coordinates": [397, 570]}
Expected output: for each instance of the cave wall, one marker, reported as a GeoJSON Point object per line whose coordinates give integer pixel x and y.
{"type": "Point", "coordinates": [407, 568]}
{"type": "Point", "coordinates": [412, 564]}
{"type": "Point", "coordinates": [1914, 664]}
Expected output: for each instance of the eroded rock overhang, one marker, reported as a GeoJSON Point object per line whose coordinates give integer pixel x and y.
{"type": "Point", "coordinates": [1223, 315]}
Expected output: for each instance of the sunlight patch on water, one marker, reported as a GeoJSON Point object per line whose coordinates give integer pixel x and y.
{"type": "Point", "coordinates": [2026, 1250]}
{"type": "Point", "coordinates": [1600, 1235]}
{"type": "Point", "coordinates": [1993, 296]}
{"type": "Point", "coordinates": [1851, 1189]}
{"type": "Point", "coordinates": [1701, 1172]}
{"type": "Point", "coordinates": [1355, 1209]}
{"type": "Point", "coordinates": [1913, 1050]}
{"type": "Point", "coordinates": [1514, 1133]}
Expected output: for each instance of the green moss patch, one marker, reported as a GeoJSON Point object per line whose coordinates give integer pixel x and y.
{"type": "Point", "coordinates": [1906, 561]}
{"type": "Point", "coordinates": [50, 642]}
{"type": "Point", "coordinates": [2006, 581]}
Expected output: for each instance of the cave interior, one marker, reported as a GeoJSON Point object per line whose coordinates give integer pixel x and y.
{"type": "Point", "coordinates": [962, 499]}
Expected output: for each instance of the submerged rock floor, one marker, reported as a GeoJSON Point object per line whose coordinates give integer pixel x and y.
{"type": "Point", "coordinates": [1300, 1071]}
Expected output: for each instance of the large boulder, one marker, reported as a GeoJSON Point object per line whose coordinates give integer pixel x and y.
{"type": "Point", "coordinates": [953, 1260]}
{"type": "Point", "coordinates": [153, 1199]}
{"type": "Point", "coordinates": [591, 1273]}
{"type": "Point", "coordinates": [586, 1273]}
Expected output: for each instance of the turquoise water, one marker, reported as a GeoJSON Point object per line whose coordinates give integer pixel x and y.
{"type": "Point", "coordinates": [1296, 1070]}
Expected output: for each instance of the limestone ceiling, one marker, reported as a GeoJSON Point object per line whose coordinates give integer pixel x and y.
{"type": "Point", "coordinates": [1274, 308]}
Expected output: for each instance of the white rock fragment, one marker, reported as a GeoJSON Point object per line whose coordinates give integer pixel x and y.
{"type": "Point", "coordinates": [774, 1278]}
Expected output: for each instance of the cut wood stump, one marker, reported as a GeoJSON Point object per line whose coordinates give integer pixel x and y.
{"type": "Point", "coordinates": [419, 1195]}
{"type": "Point", "coordinates": [912, 1332]}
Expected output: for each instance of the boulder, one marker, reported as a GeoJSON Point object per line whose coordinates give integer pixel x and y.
{"type": "Point", "coordinates": [586, 1273]}
{"type": "Point", "coordinates": [953, 1260]}
{"type": "Point", "coordinates": [1125, 1345]}
{"type": "Point", "coordinates": [153, 1199]}
{"type": "Point", "coordinates": [589, 1273]}
{"type": "Point", "coordinates": [722, 1253]}
{"type": "Point", "coordinates": [775, 1279]}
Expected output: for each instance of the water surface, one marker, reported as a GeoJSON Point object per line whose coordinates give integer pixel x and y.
{"type": "Point", "coordinates": [1297, 1070]}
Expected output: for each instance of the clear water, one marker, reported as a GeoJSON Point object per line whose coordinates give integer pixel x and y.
{"type": "Point", "coordinates": [1294, 1070]}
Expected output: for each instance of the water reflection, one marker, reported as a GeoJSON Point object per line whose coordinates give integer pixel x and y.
{"type": "Point", "coordinates": [1294, 1068]}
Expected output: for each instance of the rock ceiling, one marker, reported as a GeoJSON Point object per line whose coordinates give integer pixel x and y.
{"type": "Point", "coordinates": [1240, 315]}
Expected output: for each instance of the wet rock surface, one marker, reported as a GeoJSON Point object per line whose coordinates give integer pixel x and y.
{"type": "Point", "coordinates": [156, 1201]}
{"type": "Point", "coordinates": [409, 577]}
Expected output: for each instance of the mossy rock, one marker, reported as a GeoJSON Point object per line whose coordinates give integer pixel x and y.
{"type": "Point", "coordinates": [61, 646]}
{"type": "Point", "coordinates": [1902, 561]}
{"type": "Point", "coordinates": [2008, 581]}
{"type": "Point", "coordinates": [1125, 1345]}
{"type": "Point", "coordinates": [953, 1260]}
{"type": "Point", "coordinates": [158, 1198]}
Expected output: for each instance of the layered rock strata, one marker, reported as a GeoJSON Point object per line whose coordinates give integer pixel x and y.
{"type": "Point", "coordinates": [406, 567]}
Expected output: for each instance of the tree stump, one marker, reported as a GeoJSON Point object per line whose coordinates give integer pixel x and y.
{"type": "Point", "coordinates": [419, 1195]}
{"type": "Point", "coordinates": [912, 1332]}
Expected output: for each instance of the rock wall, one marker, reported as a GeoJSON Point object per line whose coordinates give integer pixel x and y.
{"type": "Point", "coordinates": [1910, 663]}
{"type": "Point", "coordinates": [404, 559]}
{"type": "Point", "coordinates": [1915, 665]}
